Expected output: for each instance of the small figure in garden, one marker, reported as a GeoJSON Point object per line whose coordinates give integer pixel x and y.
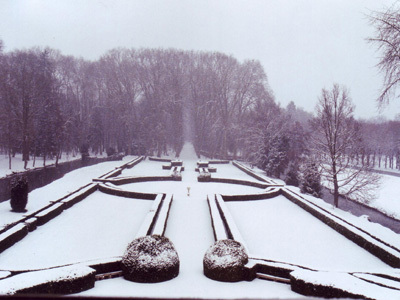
{"type": "Point", "coordinates": [188, 189]}
{"type": "Point", "coordinates": [19, 194]}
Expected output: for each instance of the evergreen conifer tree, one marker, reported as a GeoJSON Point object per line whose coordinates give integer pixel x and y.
{"type": "Point", "coordinates": [311, 181]}
{"type": "Point", "coordinates": [292, 176]}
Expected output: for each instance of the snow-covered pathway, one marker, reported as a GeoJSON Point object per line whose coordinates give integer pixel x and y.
{"type": "Point", "coordinates": [189, 226]}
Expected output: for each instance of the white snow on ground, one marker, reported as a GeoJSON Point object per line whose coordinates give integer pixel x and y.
{"type": "Point", "coordinates": [189, 229]}
{"type": "Point", "coordinates": [385, 198]}
{"type": "Point", "coordinates": [230, 171]}
{"type": "Point", "coordinates": [100, 226]}
{"type": "Point", "coordinates": [388, 196]}
{"type": "Point", "coordinates": [147, 168]}
{"type": "Point", "coordinates": [17, 164]}
{"type": "Point", "coordinates": [71, 181]}
{"type": "Point", "coordinates": [374, 228]}
{"type": "Point", "coordinates": [193, 287]}
{"type": "Point", "coordinates": [196, 188]}
{"type": "Point", "coordinates": [282, 231]}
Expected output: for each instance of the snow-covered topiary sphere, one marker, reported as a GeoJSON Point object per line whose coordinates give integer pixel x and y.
{"type": "Point", "coordinates": [225, 261]}
{"type": "Point", "coordinates": [150, 259]}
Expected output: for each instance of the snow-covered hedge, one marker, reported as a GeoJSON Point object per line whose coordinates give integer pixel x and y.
{"type": "Point", "coordinates": [204, 177]}
{"type": "Point", "coordinates": [343, 285]}
{"type": "Point", "coordinates": [13, 235]}
{"type": "Point", "coordinates": [225, 260]}
{"type": "Point", "coordinates": [268, 193]}
{"type": "Point", "coordinates": [150, 259]}
{"type": "Point", "coordinates": [63, 280]}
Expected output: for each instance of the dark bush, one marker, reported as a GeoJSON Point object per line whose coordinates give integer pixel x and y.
{"type": "Point", "coordinates": [292, 176]}
{"type": "Point", "coordinates": [84, 149]}
{"type": "Point", "coordinates": [225, 261]}
{"type": "Point", "coordinates": [110, 151]}
{"type": "Point", "coordinates": [19, 194]}
{"type": "Point", "coordinates": [150, 259]}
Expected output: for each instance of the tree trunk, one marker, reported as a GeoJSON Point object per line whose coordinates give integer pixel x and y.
{"type": "Point", "coordinates": [9, 158]}
{"type": "Point", "coordinates": [335, 187]}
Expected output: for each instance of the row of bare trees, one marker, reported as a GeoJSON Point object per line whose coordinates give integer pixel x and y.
{"type": "Point", "coordinates": [134, 101]}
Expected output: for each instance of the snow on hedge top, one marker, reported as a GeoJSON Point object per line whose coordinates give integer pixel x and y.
{"type": "Point", "coordinates": [226, 253]}
{"type": "Point", "coordinates": [375, 229]}
{"type": "Point", "coordinates": [346, 282]}
{"type": "Point", "coordinates": [23, 281]}
{"type": "Point", "coordinates": [150, 252]}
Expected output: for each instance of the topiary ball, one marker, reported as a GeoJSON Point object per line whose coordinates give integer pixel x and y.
{"type": "Point", "coordinates": [225, 261]}
{"type": "Point", "coordinates": [150, 259]}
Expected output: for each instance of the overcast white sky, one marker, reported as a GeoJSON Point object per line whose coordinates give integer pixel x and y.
{"type": "Point", "coordinates": [304, 45]}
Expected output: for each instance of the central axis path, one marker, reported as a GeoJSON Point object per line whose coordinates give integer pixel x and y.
{"type": "Point", "coordinates": [189, 223]}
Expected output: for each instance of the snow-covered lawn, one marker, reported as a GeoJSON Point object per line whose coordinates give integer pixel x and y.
{"type": "Point", "coordinates": [282, 231]}
{"type": "Point", "coordinates": [189, 228]}
{"type": "Point", "coordinates": [17, 164]}
{"type": "Point", "coordinates": [388, 196]}
{"type": "Point", "coordinates": [196, 189]}
{"type": "Point", "coordinates": [99, 227]}
{"type": "Point", "coordinates": [71, 181]}
{"type": "Point", "coordinates": [384, 198]}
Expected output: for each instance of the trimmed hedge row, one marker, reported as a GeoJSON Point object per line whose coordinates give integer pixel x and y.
{"type": "Point", "coordinates": [374, 249]}
{"type": "Point", "coordinates": [127, 180]}
{"type": "Point", "coordinates": [61, 280]}
{"type": "Point", "coordinates": [309, 289]}
{"type": "Point", "coordinates": [15, 232]}
{"type": "Point", "coordinates": [13, 235]}
{"type": "Point", "coordinates": [268, 194]}
{"type": "Point", "coordinates": [159, 159]}
{"type": "Point", "coordinates": [240, 182]}
{"type": "Point", "coordinates": [41, 176]}
{"type": "Point", "coordinates": [123, 193]}
{"type": "Point", "coordinates": [253, 174]}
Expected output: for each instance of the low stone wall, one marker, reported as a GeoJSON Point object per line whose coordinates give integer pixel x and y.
{"type": "Point", "coordinates": [41, 176]}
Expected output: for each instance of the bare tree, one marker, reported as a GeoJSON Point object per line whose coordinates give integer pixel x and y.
{"type": "Point", "coordinates": [387, 38]}
{"type": "Point", "coordinates": [336, 136]}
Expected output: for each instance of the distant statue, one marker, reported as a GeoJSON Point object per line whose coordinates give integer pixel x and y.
{"type": "Point", "coordinates": [188, 189]}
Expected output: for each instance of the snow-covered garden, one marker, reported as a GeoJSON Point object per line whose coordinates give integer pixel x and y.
{"type": "Point", "coordinates": [75, 232]}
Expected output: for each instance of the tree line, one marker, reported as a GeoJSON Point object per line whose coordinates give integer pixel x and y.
{"type": "Point", "coordinates": [143, 101]}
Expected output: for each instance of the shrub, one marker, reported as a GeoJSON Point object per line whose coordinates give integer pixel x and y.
{"type": "Point", "coordinates": [177, 176]}
{"type": "Point", "coordinates": [225, 261]}
{"type": "Point", "coordinates": [204, 177]}
{"type": "Point", "coordinates": [84, 149]}
{"type": "Point", "coordinates": [150, 259]}
{"type": "Point", "coordinates": [19, 194]}
{"type": "Point", "coordinates": [292, 176]}
{"type": "Point", "coordinates": [110, 151]}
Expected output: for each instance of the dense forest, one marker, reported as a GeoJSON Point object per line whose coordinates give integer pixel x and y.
{"type": "Point", "coordinates": [149, 101]}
